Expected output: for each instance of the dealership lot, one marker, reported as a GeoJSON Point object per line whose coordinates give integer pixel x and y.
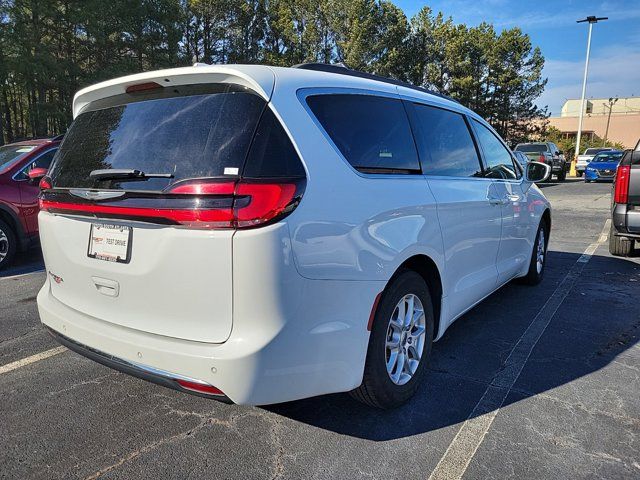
{"type": "Point", "coordinates": [537, 381]}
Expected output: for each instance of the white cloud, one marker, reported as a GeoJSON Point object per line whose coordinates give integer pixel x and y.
{"type": "Point", "coordinates": [562, 19]}
{"type": "Point", "coordinates": [612, 72]}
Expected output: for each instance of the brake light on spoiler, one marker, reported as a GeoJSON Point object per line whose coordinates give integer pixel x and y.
{"type": "Point", "coordinates": [212, 204]}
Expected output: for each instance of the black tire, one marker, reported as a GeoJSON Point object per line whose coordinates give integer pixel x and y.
{"type": "Point", "coordinates": [562, 175]}
{"type": "Point", "coordinates": [377, 388]}
{"type": "Point", "coordinates": [534, 276]}
{"type": "Point", "coordinates": [619, 246]}
{"type": "Point", "coordinates": [7, 247]}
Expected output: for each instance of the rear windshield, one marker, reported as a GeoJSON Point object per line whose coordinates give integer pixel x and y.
{"type": "Point", "coordinates": [10, 154]}
{"type": "Point", "coordinates": [194, 136]}
{"type": "Point", "coordinates": [532, 148]}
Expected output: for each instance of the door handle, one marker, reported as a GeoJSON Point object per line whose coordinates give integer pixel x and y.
{"type": "Point", "coordinates": [107, 287]}
{"type": "Point", "coordinates": [504, 200]}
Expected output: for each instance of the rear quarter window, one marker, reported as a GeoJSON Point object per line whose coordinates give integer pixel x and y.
{"type": "Point", "coordinates": [371, 132]}
{"type": "Point", "coordinates": [272, 154]}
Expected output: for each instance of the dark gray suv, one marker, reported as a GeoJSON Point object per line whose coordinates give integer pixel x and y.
{"type": "Point", "coordinates": [546, 152]}
{"type": "Point", "coordinates": [625, 210]}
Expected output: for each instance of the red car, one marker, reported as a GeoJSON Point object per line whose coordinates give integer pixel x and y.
{"type": "Point", "coordinates": [22, 164]}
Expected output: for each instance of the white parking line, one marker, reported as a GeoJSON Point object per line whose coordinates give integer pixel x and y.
{"type": "Point", "coordinates": [458, 456]}
{"type": "Point", "coordinates": [32, 359]}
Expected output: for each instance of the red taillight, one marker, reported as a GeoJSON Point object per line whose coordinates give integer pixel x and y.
{"type": "Point", "coordinates": [541, 158]}
{"type": "Point", "coordinates": [216, 204]}
{"type": "Point", "coordinates": [254, 203]}
{"type": "Point", "coordinates": [209, 218]}
{"type": "Point", "coordinates": [264, 202]}
{"type": "Point", "coordinates": [44, 184]}
{"type": "Point", "coordinates": [142, 87]}
{"type": "Point", "coordinates": [621, 192]}
{"type": "Point", "coordinates": [200, 387]}
{"type": "Point", "coordinates": [203, 188]}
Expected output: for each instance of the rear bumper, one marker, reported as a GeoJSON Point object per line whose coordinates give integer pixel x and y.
{"type": "Point", "coordinates": [626, 220]}
{"type": "Point", "coordinates": [153, 375]}
{"type": "Point", "coordinates": [267, 359]}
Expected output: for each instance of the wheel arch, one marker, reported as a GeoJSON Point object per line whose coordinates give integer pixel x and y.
{"type": "Point", "coordinates": [424, 266]}
{"type": "Point", "coordinates": [9, 217]}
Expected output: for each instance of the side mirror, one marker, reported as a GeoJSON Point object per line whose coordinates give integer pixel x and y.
{"type": "Point", "coordinates": [36, 174]}
{"type": "Point", "coordinates": [537, 172]}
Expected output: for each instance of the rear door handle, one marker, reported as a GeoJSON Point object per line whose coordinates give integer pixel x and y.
{"type": "Point", "coordinates": [107, 287]}
{"type": "Point", "coordinates": [504, 200]}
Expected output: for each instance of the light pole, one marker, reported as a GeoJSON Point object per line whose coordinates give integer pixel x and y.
{"type": "Point", "coordinates": [591, 19]}
{"type": "Point", "coordinates": [612, 102]}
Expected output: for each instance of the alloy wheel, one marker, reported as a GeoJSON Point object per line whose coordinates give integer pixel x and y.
{"type": "Point", "coordinates": [540, 253]}
{"type": "Point", "coordinates": [405, 339]}
{"type": "Point", "coordinates": [4, 246]}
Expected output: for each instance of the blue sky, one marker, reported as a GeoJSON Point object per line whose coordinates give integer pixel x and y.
{"type": "Point", "coordinates": [615, 47]}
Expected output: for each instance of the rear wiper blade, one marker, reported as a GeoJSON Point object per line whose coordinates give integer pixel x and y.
{"type": "Point", "coordinates": [125, 174]}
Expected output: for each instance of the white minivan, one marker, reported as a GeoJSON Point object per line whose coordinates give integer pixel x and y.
{"type": "Point", "coordinates": [256, 234]}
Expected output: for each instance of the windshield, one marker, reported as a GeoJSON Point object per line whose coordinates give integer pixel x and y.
{"type": "Point", "coordinates": [532, 148]}
{"type": "Point", "coordinates": [594, 151]}
{"type": "Point", "coordinates": [607, 157]}
{"type": "Point", "coordinates": [9, 154]}
{"type": "Point", "coordinates": [190, 136]}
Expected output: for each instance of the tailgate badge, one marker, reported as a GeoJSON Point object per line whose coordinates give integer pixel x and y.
{"type": "Point", "coordinates": [56, 278]}
{"type": "Point", "coordinates": [95, 194]}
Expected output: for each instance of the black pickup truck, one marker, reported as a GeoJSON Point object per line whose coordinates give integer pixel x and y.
{"type": "Point", "coordinates": [625, 205]}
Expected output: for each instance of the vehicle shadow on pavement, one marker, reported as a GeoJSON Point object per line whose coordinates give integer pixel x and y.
{"type": "Point", "coordinates": [24, 262]}
{"type": "Point", "coordinates": [596, 323]}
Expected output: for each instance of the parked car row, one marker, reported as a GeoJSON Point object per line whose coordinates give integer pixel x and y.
{"type": "Point", "coordinates": [596, 164]}
{"type": "Point", "coordinates": [583, 160]}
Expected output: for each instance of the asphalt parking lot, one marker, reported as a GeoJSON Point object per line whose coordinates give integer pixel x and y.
{"type": "Point", "coordinates": [537, 382]}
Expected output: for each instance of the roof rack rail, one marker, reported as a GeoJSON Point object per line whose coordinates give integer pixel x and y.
{"type": "Point", "coordinates": [342, 69]}
{"type": "Point", "coordinates": [58, 138]}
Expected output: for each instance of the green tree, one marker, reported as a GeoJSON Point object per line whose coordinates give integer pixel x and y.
{"type": "Point", "coordinates": [373, 36]}
{"type": "Point", "coordinates": [49, 49]}
{"type": "Point", "coordinates": [568, 143]}
{"type": "Point", "coordinates": [515, 82]}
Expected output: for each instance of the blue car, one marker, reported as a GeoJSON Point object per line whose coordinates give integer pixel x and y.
{"type": "Point", "coordinates": [603, 166]}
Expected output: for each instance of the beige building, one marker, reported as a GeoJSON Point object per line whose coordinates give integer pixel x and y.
{"type": "Point", "coordinates": [624, 119]}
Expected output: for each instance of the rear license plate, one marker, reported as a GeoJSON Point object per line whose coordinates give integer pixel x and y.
{"type": "Point", "coordinates": [110, 242]}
